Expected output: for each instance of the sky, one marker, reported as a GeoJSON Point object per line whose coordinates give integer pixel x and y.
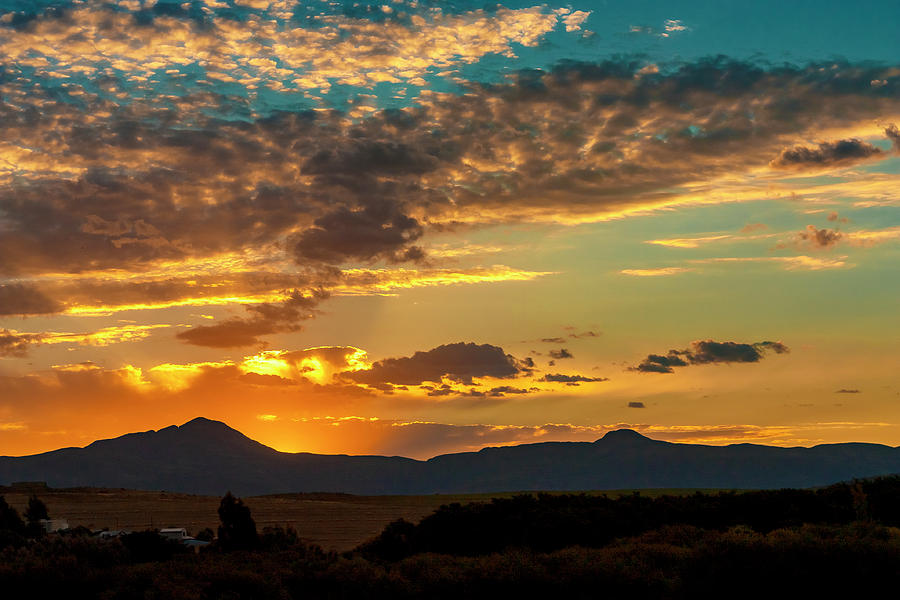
{"type": "Point", "coordinates": [419, 227]}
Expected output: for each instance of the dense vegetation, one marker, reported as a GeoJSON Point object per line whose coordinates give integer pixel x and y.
{"type": "Point", "coordinates": [837, 540]}
{"type": "Point", "coordinates": [546, 522]}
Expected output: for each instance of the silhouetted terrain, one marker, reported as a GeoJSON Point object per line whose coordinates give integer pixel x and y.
{"type": "Point", "coordinates": [837, 541]}
{"type": "Point", "coordinates": [208, 457]}
{"type": "Point", "coordinates": [549, 522]}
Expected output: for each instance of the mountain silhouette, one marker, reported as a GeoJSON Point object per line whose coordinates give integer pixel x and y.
{"type": "Point", "coordinates": [209, 457]}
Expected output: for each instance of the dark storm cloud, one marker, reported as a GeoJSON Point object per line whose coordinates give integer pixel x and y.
{"type": "Point", "coordinates": [21, 299]}
{"type": "Point", "coordinates": [841, 152]}
{"type": "Point", "coordinates": [379, 230]}
{"type": "Point", "coordinates": [561, 378]}
{"type": "Point", "coordinates": [264, 319]}
{"type": "Point", "coordinates": [373, 157]}
{"type": "Point", "coordinates": [561, 353]}
{"type": "Point", "coordinates": [704, 352]}
{"type": "Point", "coordinates": [460, 362]}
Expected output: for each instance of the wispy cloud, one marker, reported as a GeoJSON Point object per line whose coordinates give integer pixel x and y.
{"type": "Point", "coordinates": [694, 242]}
{"type": "Point", "coordinates": [658, 272]}
{"type": "Point", "coordinates": [16, 343]}
{"type": "Point", "coordinates": [790, 263]}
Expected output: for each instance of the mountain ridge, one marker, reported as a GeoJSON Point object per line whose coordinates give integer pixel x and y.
{"type": "Point", "coordinates": [210, 457]}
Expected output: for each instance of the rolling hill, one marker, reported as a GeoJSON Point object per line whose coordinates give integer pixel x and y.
{"type": "Point", "coordinates": [209, 457]}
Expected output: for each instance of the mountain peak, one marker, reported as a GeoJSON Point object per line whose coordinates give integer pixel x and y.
{"type": "Point", "coordinates": [624, 436]}
{"type": "Point", "coordinates": [202, 428]}
{"type": "Point", "coordinates": [204, 423]}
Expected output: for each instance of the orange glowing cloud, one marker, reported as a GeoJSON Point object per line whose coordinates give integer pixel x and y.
{"type": "Point", "coordinates": [170, 285]}
{"type": "Point", "coordinates": [660, 272]}
{"type": "Point", "coordinates": [16, 343]}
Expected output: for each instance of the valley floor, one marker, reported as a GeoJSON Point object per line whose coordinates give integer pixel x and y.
{"type": "Point", "coordinates": [334, 521]}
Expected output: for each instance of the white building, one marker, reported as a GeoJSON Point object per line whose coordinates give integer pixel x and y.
{"type": "Point", "coordinates": [54, 525]}
{"type": "Point", "coordinates": [174, 533]}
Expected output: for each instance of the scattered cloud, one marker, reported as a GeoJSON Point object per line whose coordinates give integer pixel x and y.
{"type": "Point", "coordinates": [559, 354]}
{"type": "Point", "coordinates": [826, 154]}
{"type": "Point", "coordinates": [585, 334]}
{"type": "Point", "coordinates": [824, 238]}
{"type": "Point", "coordinates": [573, 19]}
{"type": "Point", "coordinates": [893, 134]}
{"type": "Point", "coordinates": [562, 378]}
{"type": "Point", "coordinates": [337, 50]}
{"type": "Point", "coordinates": [847, 391]}
{"type": "Point", "coordinates": [703, 352]}
{"type": "Point", "coordinates": [669, 27]}
{"type": "Point", "coordinates": [459, 362]}
{"type": "Point", "coordinates": [636, 405]}
{"type": "Point", "coordinates": [507, 389]}
{"type": "Point", "coordinates": [673, 26]}
{"type": "Point", "coordinates": [820, 238]}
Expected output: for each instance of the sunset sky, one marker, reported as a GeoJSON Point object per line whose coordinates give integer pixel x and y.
{"type": "Point", "coordinates": [419, 227]}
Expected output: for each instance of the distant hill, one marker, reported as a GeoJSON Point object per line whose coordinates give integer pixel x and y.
{"type": "Point", "coordinates": [209, 457]}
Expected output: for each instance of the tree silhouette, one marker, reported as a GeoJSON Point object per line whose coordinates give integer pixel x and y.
{"type": "Point", "coordinates": [238, 530]}
{"type": "Point", "coordinates": [11, 525]}
{"type": "Point", "coordinates": [34, 514]}
{"type": "Point", "coordinates": [9, 518]}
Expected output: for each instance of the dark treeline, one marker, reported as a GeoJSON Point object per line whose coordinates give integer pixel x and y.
{"type": "Point", "coordinates": [546, 522]}
{"type": "Point", "coordinates": [835, 541]}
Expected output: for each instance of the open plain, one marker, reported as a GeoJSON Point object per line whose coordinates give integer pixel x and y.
{"type": "Point", "coordinates": [334, 521]}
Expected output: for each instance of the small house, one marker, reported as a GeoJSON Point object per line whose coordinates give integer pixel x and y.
{"type": "Point", "coordinates": [54, 525]}
{"type": "Point", "coordinates": [174, 533]}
